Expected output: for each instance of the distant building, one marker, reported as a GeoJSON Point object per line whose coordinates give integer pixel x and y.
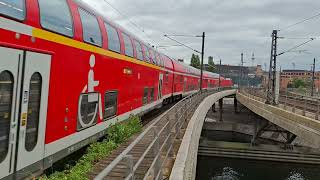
{"type": "Point", "coordinates": [298, 74]}
{"type": "Point", "coordinates": [259, 71]}
{"type": "Point", "coordinates": [287, 77]}
{"type": "Point", "coordinates": [250, 76]}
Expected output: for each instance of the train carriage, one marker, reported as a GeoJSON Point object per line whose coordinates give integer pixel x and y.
{"type": "Point", "coordinates": [66, 81]}
{"type": "Point", "coordinates": [66, 74]}
{"type": "Point", "coordinates": [213, 80]}
{"type": "Point", "coordinates": [168, 78]}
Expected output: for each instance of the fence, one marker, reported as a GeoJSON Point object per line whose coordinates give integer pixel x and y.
{"type": "Point", "coordinates": [289, 101]}
{"type": "Point", "coordinates": [147, 155]}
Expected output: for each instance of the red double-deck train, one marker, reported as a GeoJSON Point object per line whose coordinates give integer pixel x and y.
{"type": "Point", "coordinates": [67, 73]}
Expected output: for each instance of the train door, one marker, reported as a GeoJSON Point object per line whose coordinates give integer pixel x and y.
{"type": "Point", "coordinates": [160, 86]}
{"type": "Point", "coordinates": [24, 84]}
{"type": "Point", "coordinates": [10, 61]}
{"type": "Point", "coordinates": [33, 112]}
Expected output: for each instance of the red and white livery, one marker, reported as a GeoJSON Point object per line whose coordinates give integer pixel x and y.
{"type": "Point", "coordinates": [67, 73]}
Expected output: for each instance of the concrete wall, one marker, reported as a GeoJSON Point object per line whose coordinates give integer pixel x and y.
{"type": "Point", "coordinates": [307, 129]}
{"type": "Point", "coordinates": [186, 161]}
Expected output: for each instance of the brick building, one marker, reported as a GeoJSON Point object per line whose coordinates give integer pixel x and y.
{"type": "Point", "coordinates": [287, 77]}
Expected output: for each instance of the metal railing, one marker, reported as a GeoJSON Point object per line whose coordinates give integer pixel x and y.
{"type": "Point", "coordinates": [146, 156]}
{"type": "Point", "coordinates": [289, 101]}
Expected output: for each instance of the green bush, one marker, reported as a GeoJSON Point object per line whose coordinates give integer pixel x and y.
{"type": "Point", "coordinates": [117, 134]}
{"type": "Point", "coordinates": [121, 132]}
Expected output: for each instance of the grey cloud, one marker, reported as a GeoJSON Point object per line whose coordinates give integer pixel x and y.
{"type": "Point", "coordinates": [232, 26]}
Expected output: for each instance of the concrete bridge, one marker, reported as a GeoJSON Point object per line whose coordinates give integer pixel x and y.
{"type": "Point", "coordinates": [151, 153]}
{"type": "Point", "coordinates": [186, 160]}
{"type": "Point", "coordinates": [297, 123]}
{"type": "Point", "coordinates": [301, 124]}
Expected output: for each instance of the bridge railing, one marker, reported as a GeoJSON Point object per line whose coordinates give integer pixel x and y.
{"type": "Point", "coordinates": [303, 105]}
{"type": "Point", "coordinates": [145, 157]}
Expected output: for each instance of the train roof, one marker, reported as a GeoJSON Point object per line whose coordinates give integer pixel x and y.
{"type": "Point", "coordinates": [185, 68]}
{"type": "Point", "coordinates": [194, 70]}
{"type": "Point", "coordinates": [169, 63]}
{"type": "Point", "coordinates": [213, 75]}
{"type": "Point", "coordinates": [179, 67]}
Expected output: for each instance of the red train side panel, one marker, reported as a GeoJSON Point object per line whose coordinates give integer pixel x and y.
{"type": "Point", "coordinates": [67, 90]}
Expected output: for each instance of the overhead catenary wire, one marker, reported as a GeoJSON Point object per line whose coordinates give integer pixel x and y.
{"type": "Point", "coordinates": [295, 37]}
{"type": "Point", "coordinates": [300, 22]}
{"type": "Point", "coordinates": [180, 35]}
{"type": "Point", "coordinates": [140, 28]}
{"type": "Point", "coordinates": [295, 47]}
{"type": "Point", "coordinates": [182, 44]}
{"type": "Point", "coordinates": [124, 15]}
{"type": "Point", "coordinates": [164, 46]}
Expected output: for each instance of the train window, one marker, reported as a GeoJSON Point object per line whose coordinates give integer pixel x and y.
{"type": "Point", "coordinates": [113, 38]}
{"type": "Point", "coordinates": [160, 61]}
{"type": "Point", "coordinates": [110, 104]}
{"type": "Point", "coordinates": [147, 57]}
{"type": "Point", "coordinates": [154, 57]}
{"type": "Point", "coordinates": [151, 56]}
{"type": "Point", "coordinates": [162, 58]}
{"type": "Point", "coordinates": [155, 54]}
{"type": "Point", "coordinates": [56, 16]}
{"type": "Point", "coordinates": [145, 96]}
{"type": "Point", "coordinates": [91, 29]}
{"type": "Point", "coordinates": [139, 50]}
{"type": "Point", "coordinates": [6, 93]}
{"type": "Point", "coordinates": [151, 90]}
{"type": "Point", "coordinates": [33, 111]}
{"type": "Point", "coordinates": [13, 8]}
{"type": "Point", "coordinates": [127, 45]}
{"type": "Point", "coordinates": [157, 58]}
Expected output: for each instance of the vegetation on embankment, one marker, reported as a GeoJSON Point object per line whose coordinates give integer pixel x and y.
{"type": "Point", "coordinates": [116, 135]}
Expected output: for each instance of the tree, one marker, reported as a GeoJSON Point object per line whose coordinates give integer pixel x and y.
{"type": "Point", "coordinates": [298, 83]}
{"type": "Point", "coordinates": [211, 66]}
{"type": "Point", "coordinates": [195, 61]}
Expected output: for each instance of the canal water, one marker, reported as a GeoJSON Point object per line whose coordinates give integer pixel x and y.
{"type": "Point", "coordinates": [212, 168]}
{"type": "Point", "coordinates": [217, 168]}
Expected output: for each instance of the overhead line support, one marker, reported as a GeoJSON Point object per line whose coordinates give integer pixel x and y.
{"type": "Point", "coordinates": [271, 91]}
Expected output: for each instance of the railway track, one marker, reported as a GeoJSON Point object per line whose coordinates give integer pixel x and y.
{"type": "Point", "coordinates": [148, 117]}
{"type": "Point", "coordinates": [145, 120]}
{"type": "Point", "coordinates": [146, 155]}
{"type": "Point", "coordinates": [304, 103]}
{"type": "Point", "coordinates": [300, 103]}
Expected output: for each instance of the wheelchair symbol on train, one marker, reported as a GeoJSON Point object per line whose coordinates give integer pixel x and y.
{"type": "Point", "coordinates": [89, 106]}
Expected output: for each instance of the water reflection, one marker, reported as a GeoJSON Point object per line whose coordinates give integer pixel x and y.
{"type": "Point", "coordinates": [227, 174]}
{"type": "Point", "coordinates": [296, 176]}
{"type": "Point", "coordinates": [211, 168]}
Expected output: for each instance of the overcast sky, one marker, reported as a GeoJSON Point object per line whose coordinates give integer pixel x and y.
{"type": "Point", "coordinates": [231, 26]}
